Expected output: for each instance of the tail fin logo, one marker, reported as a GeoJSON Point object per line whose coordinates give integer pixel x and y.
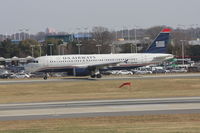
{"type": "Point", "coordinates": [160, 44]}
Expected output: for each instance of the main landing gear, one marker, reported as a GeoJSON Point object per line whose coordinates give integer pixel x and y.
{"type": "Point", "coordinates": [95, 74]}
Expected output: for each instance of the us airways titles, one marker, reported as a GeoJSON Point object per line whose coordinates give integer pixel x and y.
{"type": "Point", "coordinates": [80, 57]}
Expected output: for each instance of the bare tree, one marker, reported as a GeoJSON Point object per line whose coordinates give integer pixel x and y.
{"type": "Point", "coordinates": [177, 36]}
{"type": "Point", "coordinates": [153, 31]}
{"type": "Point", "coordinates": [103, 37]}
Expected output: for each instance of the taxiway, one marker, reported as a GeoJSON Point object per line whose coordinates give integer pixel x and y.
{"type": "Point", "coordinates": [76, 109]}
{"type": "Point", "coordinates": [82, 79]}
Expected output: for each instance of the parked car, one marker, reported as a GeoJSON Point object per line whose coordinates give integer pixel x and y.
{"type": "Point", "coordinates": [159, 71]}
{"type": "Point", "coordinates": [4, 73]}
{"type": "Point", "coordinates": [15, 69]}
{"type": "Point", "coordinates": [114, 72]}
{"type": "Point", "coordinates": [106, 72]}
{"type": "Point", "coordinates": [19, 75]}
{"type": "Point", "coordinates": [181, 70]}
{"type": "Point", "coordinates": [4, 76]}
{"type": "Point", "coordinates": [125, 72]}
{"type": "Point", "coordinates": [142, 72]}
{"type": "Point", "coordinates": [37, 75]}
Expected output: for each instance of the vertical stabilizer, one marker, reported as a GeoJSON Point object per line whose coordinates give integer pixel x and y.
{"type": "Point", "coordinates": [161, 42]}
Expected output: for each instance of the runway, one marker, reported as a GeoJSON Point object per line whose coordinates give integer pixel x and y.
{"type": "Point", "coordinates": [78, 109]}
{"type": "Point", "coordinates": [83, 79]}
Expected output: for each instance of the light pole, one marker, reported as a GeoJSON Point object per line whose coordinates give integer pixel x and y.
{"type": "Point", "coordinates": [51, 45]}
{"type": "Point", "coordinates": [111, 48]}
{"type": "Point", "coordinates": [24, 32]}
{"type": "Point", "coordinates": [132, 47]}
{"type": "Point", "coordinates": [183, 54]}
{"type": "Point", "coordinates": [196, 30]}
{"type": "Point", "coordinates": [136, 38]}
{"type": "Point", "coordinates": [32, 46]}
{"type": "Point", "coordinates": [27, 30]}
{"type": "Point", "coordinates": [79, 48]}
{"type": "Point", "coordinates": [6, 36]}
{"type": "Point", "coordinates": [136, 48]}
{"type": "Point", "coordinates": [128, 34]}
{"type": "Point", "coordinates": [122, 32]}
{"type": "Point", "coordinates": [14, 36]}
{"type": "Point", "coordinates": [98, 48]}
{"type": "Point", "coordinates": [183, 26]}
{"type": "Point", "coordinates": [62, 47]}
{"type": "Point", "coordinates": [40, 46]}
{"type": "Point", "coordinates": [20, 30]}
{"type": "Point", "coordinates": [78, 33]}
{"type": "Point", "coordinates": [86, 33]}
{"type": "Point", "coordinates": [135, 34]}
{"type": "Point", "coordinates": [116, 35]}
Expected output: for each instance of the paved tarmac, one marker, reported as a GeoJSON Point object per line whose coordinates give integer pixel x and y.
{"type": "Point", "coordinates": [79, 109]}
{"type": "Point", "coordinates": [82, 79]}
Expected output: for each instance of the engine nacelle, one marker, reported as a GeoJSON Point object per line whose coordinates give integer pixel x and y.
{"type": "Point", "coordinates": [79, 72]}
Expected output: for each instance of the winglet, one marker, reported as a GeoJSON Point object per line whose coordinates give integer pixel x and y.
{"type": "Point", "coordinates": [166, 30]}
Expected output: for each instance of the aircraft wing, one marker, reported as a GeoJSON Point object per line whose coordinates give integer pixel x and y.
{"type": "Point", "coordinates": [109, 64]}
{"type": "Point", "coordinates": [101, 65]}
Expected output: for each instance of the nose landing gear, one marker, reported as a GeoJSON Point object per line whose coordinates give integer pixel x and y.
{"type": "Point", "coordinates": [46, 76]}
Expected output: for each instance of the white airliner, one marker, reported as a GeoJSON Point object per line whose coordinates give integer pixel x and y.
{"type": "Point", "coordinates": [91, 64]}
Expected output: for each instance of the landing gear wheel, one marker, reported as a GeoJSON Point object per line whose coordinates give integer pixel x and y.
{"type": "Point", "coordinates": [45, 77]}
{"type": "Point", "coordinates": [98, 75]}
{"type": "Point", "coordinates": [95, 73]}
{"type": "Point", "coordinates": [92, 76]}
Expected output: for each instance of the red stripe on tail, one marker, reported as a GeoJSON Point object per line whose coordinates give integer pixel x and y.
{"type": "Point", "coordinates": [166, 30]}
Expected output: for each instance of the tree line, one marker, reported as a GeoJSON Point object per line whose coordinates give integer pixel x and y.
{"type": "Point", "coordinates": [103, 38]}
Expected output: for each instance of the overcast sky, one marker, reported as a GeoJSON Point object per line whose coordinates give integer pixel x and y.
{"type": "Point", "coordinates": [68, 15]}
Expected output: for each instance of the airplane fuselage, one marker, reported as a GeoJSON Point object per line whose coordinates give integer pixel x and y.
{"type": "Point", "coordinates": [56, 63]}
{"type": "Point", "coordinates": [93, 63]}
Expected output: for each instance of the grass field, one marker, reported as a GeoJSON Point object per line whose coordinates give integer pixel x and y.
{"type": "Point", "coordinates": [87, 90]}
{"type": "Point", "coordinates": [176, 123]}
{"type": "Point", "coordinates": [90, 90]}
